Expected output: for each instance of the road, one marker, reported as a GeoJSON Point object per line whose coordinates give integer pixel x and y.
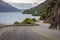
{"type": "Point", "coordinates": [29, 32]}
{"type": "Point", "coordinates": [20, 33]}
{"type": "Point", "coordinates": [44, 30]}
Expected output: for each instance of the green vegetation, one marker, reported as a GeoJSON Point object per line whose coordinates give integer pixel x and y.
{"type": "Point", "coordinates": [16, 22]}
{"type": "Point", "coordinates": [39, 10]}
{"type": "Point", "coordinates": [33, 19]}
{"type": "Point", "coordinates": [36, 10]}
{"type": "Point", "coordinates": [42, 16]}
{"type": "Point", "coordinates": [1, 24]}
{"type": "Point", "coordinates": [26, 21]}
{"type": "Point", "coordinates": [29, 21]}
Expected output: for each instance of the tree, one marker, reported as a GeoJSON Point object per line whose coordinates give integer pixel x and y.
{"type": "Point", "coordinates": [29, 21]}
{"type": "Point", "coordinates": [16, 22]}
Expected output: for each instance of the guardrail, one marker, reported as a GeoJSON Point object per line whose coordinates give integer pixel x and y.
{"type": "Point", "coordinates": [20, 25]}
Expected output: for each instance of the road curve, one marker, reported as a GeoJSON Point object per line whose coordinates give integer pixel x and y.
{"type": "Point", "coordinates": [20, 33]}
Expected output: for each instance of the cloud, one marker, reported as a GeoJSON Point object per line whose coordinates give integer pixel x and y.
{"type": "Point", "coordinates": [19, 1]}
{"type": "Point", "coordinates": [24, 1]}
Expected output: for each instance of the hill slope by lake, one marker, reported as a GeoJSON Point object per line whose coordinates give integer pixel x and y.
{"type": "Point", "coordinates": [5, 7]}
{"type": "Point", "coordinates": [41, 7]}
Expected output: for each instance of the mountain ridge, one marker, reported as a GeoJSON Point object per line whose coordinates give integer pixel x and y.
{"type": "Point", "coordinates": [37, 8]}
{"type": "Point", "coordinates": [5, 7]}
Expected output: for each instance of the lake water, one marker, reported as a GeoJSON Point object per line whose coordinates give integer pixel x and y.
{"type": "Point", "coordinates": [11, 17]}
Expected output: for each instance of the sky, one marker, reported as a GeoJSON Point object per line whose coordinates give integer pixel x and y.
{"type": "Point", "coordinates": [34, 3]}
{"type": "Point", "coordinates": [24, 1]}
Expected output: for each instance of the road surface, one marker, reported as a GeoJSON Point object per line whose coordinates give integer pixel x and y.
{"type": "Point", "coordinates": [20, 33]}
{"type": "Point", "coordinates": [29, 32]}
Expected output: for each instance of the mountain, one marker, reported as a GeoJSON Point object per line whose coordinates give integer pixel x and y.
{"type": "Point", "coordinates": [5, 7]}
{"type": "Point", "coordinates": [39, 9]}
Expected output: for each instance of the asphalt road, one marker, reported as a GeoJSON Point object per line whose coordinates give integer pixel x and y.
{"type": "Point", "coordinates": [20, 33]}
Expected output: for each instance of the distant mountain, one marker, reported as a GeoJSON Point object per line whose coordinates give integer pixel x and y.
{"type": "Point", "coordinates": [5, 7]}
{"type": "Point", "coordinates": [38, 10]}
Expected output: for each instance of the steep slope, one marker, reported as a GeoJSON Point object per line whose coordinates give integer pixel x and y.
{"type": "Point", "coordinates": [53, 14]}
{"type": "Point", "coordinates": [35, 9]}
{"type": "Point", "coordinates": [39, 9]}
{"type": "Point", "coordinates": [5, 7]}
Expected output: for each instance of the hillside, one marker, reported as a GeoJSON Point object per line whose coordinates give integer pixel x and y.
{"type": "Point", "coordinates": [37, 9]}
{"type": "Point", "coordinates": [49, 11]}
{"type": "Point", "coordinates": [53, 14]}
{"type": "Point", "coordinates": [5, 7]}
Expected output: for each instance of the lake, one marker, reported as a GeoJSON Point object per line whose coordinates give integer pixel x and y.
{"type": "Point", "coordinates": [11, 17]}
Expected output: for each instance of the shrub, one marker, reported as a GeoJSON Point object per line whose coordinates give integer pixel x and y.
{"type": "Point", "coordinates": [42, 17]}
{"type": "Point", "coordinates": [29, 21]}
{"type": "Point", "coordinates": [1, 24]}
{"type": "Point", "coordinates": [16, 22]}
{"type": "Point", "coordinates": [33, 19]}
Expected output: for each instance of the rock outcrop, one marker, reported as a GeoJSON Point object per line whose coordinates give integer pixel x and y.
{"type": "Point", "coordinates": [53, 14]}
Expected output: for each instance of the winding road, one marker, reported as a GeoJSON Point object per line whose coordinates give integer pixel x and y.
{"type": "Point", "coordinates": [20, 33]}
{"type": "Point", "coordinates": [29, 33]}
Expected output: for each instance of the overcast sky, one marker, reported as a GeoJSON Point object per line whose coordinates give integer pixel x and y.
{"type": "Point", "coordinates": [24, 1]}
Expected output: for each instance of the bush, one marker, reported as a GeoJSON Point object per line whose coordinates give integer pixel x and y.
{"type": "Point", "coordinates": [42, 17]}
{"type": "Point", "coordinates": [16, 22]}
{"type": "Point", "coordinates": [1, 24]}
{"type": "Point", "coordinates": [29, 21]}
{"type": "Point", "coordinates": [33, 19]}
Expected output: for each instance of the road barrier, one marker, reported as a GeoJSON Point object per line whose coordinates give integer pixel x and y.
{"type": "Point", "coordinates": [20, 25]}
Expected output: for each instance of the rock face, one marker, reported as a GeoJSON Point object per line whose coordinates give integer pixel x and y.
{"type": "Point", "coordinates": [5, 7]}
{"type": "Point", "coordinates": [53, 14]}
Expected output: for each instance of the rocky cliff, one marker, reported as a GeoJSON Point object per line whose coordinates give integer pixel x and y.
{"type": "Point", "coordinates": [53, 14]}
